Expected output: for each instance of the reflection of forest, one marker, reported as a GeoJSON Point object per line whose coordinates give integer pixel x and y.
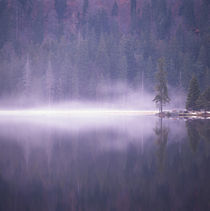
{"type": "Point", "coordinates": [162, 138]}
{"type": "Point", "coordinates": [198, 130]}
{"type": "Point", "coordinates": [75, 176]}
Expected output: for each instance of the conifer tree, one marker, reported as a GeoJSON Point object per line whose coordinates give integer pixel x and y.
{"type": "Point", "coordinates": [27, 77]}
{"type": "Point", "coordinates": [49, 82]}
{"type": "Point", "coordinates": [203, 101]}
{"type": "Point", "coordinates": [102, 57]}
{"type": "Point", "coordinates": [115, 9]}
{"type": "Point", "coordinates": [161, 97]}
{"type": "Point", "coordinates": [60, 7]}
{"type": "Point", "coordinates": [206, 95]}
{"type": "Point", "coordinates": [85, 7]}
{"type": "Point", "coordinates": [133, 7]}
{"type": "Point", "coordinates": [193, 94]}
{"type": "Point", "coordinates": [133, 13]}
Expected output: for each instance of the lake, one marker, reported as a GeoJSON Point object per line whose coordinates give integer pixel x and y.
{"type": "Point", "coordinates": [110, 162]}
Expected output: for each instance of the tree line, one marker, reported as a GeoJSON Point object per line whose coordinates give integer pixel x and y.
{"type": "Point", "coordinates": [62, 50]}
{"type": "Point", "coordinates": [196, 100]}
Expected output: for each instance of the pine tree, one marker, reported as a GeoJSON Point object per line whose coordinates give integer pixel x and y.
{"type": "Point", "coordinates": [133, 13]}
{"type": "Point", "coordinates": [133, 8]}
{"type": "Point", "coordinates": [161, 87]}
{"type": "Point", "coordinates": [102, 58]}
{"type": "Point", "coordinates": [85, 7]}
{"type": "Point", "coordinates": [27, 77]}
{"type": "Point", "coordinates": [187, 11]}
{"type": "Point", "coordinates": [49, 82]}
{"type": "Point", "coordinates": [38, 24]}
{"type": "Point", "coordinates": [4, 22]}
{"type": "Point", "coordinates": [206, 95]}
{"type": "Point", "coordinates": [193, 94]}
{"type": "Point", "coordinates": [60, 7]}
{"type": "Point", "coordinates": [115, 9]}
{"type": "Point", "coordinates": [203, 101]}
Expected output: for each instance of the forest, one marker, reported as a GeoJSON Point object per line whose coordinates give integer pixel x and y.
{"type": "Point", "coordinates": [55, 50]}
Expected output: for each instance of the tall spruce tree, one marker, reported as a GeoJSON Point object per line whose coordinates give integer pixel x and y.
{"type": "Point", "coordinates": [203, 101]}
{"type": "Point", "coordinates": [161, 97]}
{"type": "Point", "coordinates": [115, 9]}
{"type": "Point", "coordinates": [206, 95]}
{"type": "Point", "coordinates": [193, 94]}
{"type": "Point", "coordinates": [27, 78]}
{"type": "Point", "coordinates": [133, 14]}
{"type": "Point", "coordinates": [60, 7]}
{"type": "Point", "coordinates": [49, 82]}
{"type": "Point", "coordinates": [85, 7]}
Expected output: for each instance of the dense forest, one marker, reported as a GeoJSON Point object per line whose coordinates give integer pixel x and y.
{"type": "Point", "coordinates": [56, 50]}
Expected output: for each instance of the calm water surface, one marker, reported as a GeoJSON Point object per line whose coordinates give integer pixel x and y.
{"type": "Point", "coordinates": [104, 163]}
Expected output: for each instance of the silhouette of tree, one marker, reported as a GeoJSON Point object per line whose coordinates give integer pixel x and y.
{"type": "Point", "coordinates": [115, 9]}
{"type": "Point", "coordinates": [60, 7]}
{"type": "Point", "coordinates": [161, 86]}
{"type": "Point", "coordinates": [85, 7]}
{"type": "Point", "coordinates": [49, 82]}
{"type": "Point", "coordinates": [193, 94]}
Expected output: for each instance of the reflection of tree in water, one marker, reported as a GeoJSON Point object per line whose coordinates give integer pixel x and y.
{"type": "Point", "coordinates": [203, 127]}
{"type": "Point", "coordinates": [193, 134]}
{"type": "Point", "coordinates": [198, 130]}
{"type": "Point", "coordinates": [162, 138]}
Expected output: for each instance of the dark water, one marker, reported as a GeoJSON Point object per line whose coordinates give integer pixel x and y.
{"type": "Point", "coordinates": [119, 163]}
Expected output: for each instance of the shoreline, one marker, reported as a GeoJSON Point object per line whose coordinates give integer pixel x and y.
{"type": "Point", "coordinates": [185, 114]}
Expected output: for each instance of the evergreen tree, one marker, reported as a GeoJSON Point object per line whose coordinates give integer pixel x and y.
{"type": "Point", "coordinates": [23, 2]}
{"type": "Point", "coordinates": [133, 8]}
{"type": "Point", "coordinates": [161, 86]}
{"type": "Point", "coordinates": [102, 58]}
{"type": "Point", "coordinates": [85, 7]}
{"type": "Point", "coordinates": [38, 25]}
{"type": "Point", "coordinates": [4, 22]}
{"type": "Point", "coordinates": [49, 82]}
{"type": "Point", "coordinates": [133, 13]}
{"type": "Point", "coordinates": [60, 7]}
{"type": "Point", "coordinates": [122, 62]}
{"type": "Point", "coordinates": [27, 78]}
{"type": "Point", "coordinates": [207, 77]}
{"type": "Point", "coordinates": [187, 11]}
{"type": "Point", "coordinates": [200, 66]}
{"type": "Point", "coordinates": [162, 19]}
{"type": "Point", "coordinates": [203, 101]}
{"type": "Point", "coordinates": [115, 9]}
{"type": "Point", "coordinates": [193, 94]}
{"type": "Point", "coordinates": [206, 95]}
{"type": "Point", "coordinates": [149, 74]}
{"type": "Point", "coordinates": [131, 61]}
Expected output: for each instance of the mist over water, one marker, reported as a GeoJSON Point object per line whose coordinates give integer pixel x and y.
{"type": "Point", "coordinates": [111, 97]}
